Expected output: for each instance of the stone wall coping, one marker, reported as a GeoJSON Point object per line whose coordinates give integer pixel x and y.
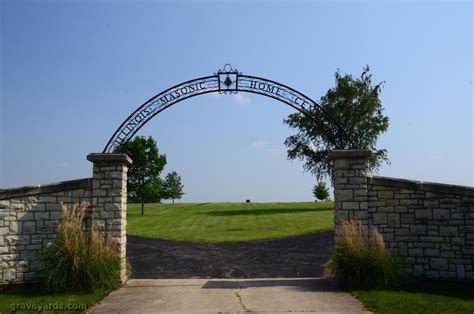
{"type": "Point", "coordinates": [46, 188]}
{"type": "Point", "coordinates": [422, 185]}
{"type": "Point", "coordinates": [110, 158]}
{"type": "Point", "coordinates": [349, 154]}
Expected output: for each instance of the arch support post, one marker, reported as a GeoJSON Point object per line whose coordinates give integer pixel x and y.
{"type": "Point", "coordinates": [350, 185]}
{"type": "Point", "coordinates": [109, 198]}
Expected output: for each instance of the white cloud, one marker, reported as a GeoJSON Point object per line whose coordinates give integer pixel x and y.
{"type": "Point", "coordinates": [65, 164]}
{"type": "Point", "coordinates": [258, 143]}
{"type": "Point", "coordinates": [241, 98]}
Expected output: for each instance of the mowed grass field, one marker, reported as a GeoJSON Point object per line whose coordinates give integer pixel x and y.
{"type": "Point", "coordinates": [229, 222]}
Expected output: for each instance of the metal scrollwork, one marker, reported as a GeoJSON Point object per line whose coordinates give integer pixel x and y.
{"type": "Point", "coordinates": [225, 81]}
{"type": "Point", "coordinates": [228, 79]}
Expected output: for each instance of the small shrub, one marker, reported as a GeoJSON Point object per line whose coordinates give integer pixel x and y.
{"type": "Point", "coordinates": [81, 259]}
{"type": "Point", "coordinates": [360, 260]}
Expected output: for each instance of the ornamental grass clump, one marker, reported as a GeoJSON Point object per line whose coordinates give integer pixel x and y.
{"type": "Point", "coordinates": [360, 259]}
{"type": "Point", "coordinates": [80, 258]}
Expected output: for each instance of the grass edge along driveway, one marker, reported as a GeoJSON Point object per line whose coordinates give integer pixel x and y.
{"type": "Point", "coordinates": [433, 301]}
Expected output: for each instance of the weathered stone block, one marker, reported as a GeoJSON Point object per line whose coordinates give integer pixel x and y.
{"type": "Point", "coordinates": [358, 180]}
{"type": "Point", "coordinates": [343, 195]}
{"type": "Point", "coordinates": [418, 270]}
{"type": "Point", "coordinates": [432, 274]}
{"type": "Point", "coordinates": [15, 227]}
{"type": "Point", "coordinates": [407, 218]}
{"type": "Point", "coordinates": [437, 263]}
{"type": "Point", "coordinates": [348, 173]}
{"type": "Point", "coordinates": [29, 227]}
{"type": "Point", "coordinates": [447, 254]}
{"type": "Point", "coordinates": [448, 230]}
{"type": "Point", "coordinates": [408, 202]}
{"type": "Point", "coordinates": [431, 252]}
{"type": "Point", "coordinates": [379, 218]}
{"type": "Point", "coordinates": [350, 205]}
{"type": "Point", "coordinates": [4, 231]}
{"type": "Point", "coordinates": [447, 274]}
{"type": "Point", "coordinates": [415, 252]}
{"type": "Point", "coordinates": [361, 215]}
{"type": "Point", "coordinates": [114, 174]}
{"type": "Point", "coordinates": [64, 199]}
{"type": "Point", "coordinates": [77, 193]}
{"type": "Point", "coordinates": [30, 276]}
{"type": "Point", "coordinates": [393, 220]}
{"type": "Point", "coordinates": [431, 239]}
{"type": "Point", "coordinates": [341, 215]}
{"type": "Point", "coordinates": [392, 202]}
{"type": "Point", "coordinates": [385, 194]}
{"type": "Point", "coordinates": [99, 192]}
{"type": "Point", "coordinates": [56, 215]}
{"type": "Point", "coordinates": [423, 214]}
{"type": "Point", "coordinates": [47, 199]}
{"type": "Point", "coordinates": [106, 214]}
{"type": "Point", "coordinates": [402, 231]}
{"type": "Point", "coordinates": [460, 272]}
{"type": "Point", "coordinates": [431, 203]}
{"type": "Point", "coordinates": [439, 213]}
{"type": "Point", "coordinates": [25, 216]}
{"type": "Point", "coordinates": [430, 195]}
{"type": "Point", "coordinates": [115, 192]}
{"type": "Point", "coordinates": [53, 207]}
{"type": "Point", "coordinates": [41, 215]}
{"type": "Point", "coordinates": [4, 204]}
{"type": "Point", "coordinates": [417, 230]}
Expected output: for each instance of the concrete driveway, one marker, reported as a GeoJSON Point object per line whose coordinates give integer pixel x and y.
{"type": "Point", "coordinates": [298, 295]}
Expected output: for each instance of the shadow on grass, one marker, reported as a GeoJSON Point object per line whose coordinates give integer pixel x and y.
{"type": "Point", "coordinates": [263, 211]}
{"type": "Point", "coordinates": [461, 289]}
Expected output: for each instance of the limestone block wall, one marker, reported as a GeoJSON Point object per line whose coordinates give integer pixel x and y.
{"type": "Point", "coordinates": [28, 222]}
{"type": "Point", "coordinates": [429, 225]}
{"type": "Point", "coordinates": [29, 216]}
{"type": "Point", "coordinates": [109, 198]}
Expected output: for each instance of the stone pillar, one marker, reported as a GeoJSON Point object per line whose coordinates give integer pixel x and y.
{"type": "Point", "coordinates": [350, 185]}
{"type": "Point", "coordinates": [109, 198]}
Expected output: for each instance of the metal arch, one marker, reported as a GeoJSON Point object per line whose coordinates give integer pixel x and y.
{"type": "Point", "coordinates": [224, 81]}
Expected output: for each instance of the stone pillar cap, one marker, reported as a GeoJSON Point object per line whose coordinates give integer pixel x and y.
{"type": "Point", "coordinates": [110, 158]}
{"type": "Point", "coordinates": [349, 154]}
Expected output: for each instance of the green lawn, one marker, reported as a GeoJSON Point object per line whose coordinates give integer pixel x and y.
{"type": "Point", "coordinates": [229, 222]}
{"type": "Point", "coordinates": [405, 301]}
{"type": "Point", "coordinates": [22, 298]}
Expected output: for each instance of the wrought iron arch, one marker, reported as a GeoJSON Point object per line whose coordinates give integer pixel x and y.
{"type": "Point", "coordinates": [225, 81]}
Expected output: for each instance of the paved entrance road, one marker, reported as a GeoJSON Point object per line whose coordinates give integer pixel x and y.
{"type": "Point", "coordinates": [298, 295]}
{"type": "Point", "coordinates": [297, 257]}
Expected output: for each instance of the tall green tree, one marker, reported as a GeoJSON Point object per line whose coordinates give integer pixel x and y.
{"type": "Point", "coordinates": [153, 191]}
{"type": "Point", "coordinates": [146, 168]}
{"type": "Point", "coordinates": [321, 191]}
{"type": "Point", "coordinates": [355, 105]}
{"type": "Point", "coordinates": [172, 186]}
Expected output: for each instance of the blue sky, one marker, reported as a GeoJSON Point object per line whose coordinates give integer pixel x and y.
{"type": "Point", "coordinates": [71, 72]}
